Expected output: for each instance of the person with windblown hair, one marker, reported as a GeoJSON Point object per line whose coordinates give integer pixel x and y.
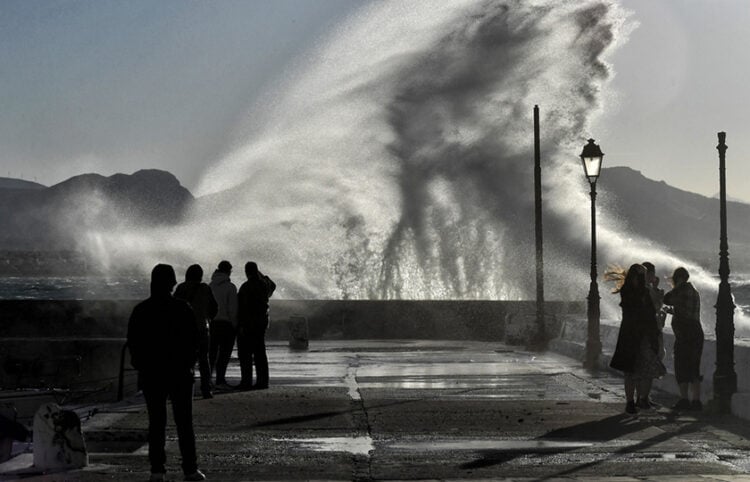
{"type": "Point", "coordinates": [636, 352]}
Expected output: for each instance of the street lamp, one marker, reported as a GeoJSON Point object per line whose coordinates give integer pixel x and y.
{"type": "Point", "coordinates": [592, 157]}
{"type": "Point", "coordinates": [725, 378]}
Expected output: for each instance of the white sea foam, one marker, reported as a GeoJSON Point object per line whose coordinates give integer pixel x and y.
{"type": "Point", "coordinates": [395, 161]}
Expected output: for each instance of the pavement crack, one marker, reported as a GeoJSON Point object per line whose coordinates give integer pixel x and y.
{"type": "Point", "coordinates": [361, 420]}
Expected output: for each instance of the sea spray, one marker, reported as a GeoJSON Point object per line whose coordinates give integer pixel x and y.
{"type": "Point", "coordinates": [395, 161]}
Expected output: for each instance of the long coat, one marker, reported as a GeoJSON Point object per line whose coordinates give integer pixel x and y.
{"type": "Point", "coordinates": [638, 321]}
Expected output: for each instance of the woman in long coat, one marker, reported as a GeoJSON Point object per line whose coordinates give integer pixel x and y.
{"type": "Point", "coordinates": [637, 350]}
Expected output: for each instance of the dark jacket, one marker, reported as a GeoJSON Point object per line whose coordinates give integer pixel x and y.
{"type": "Point", "coordinates": [252, 301]}
{"type": "Point", "coordinates": [201, 299]}
{"type": "Point", "coordinates": [162, 337]}
{"type": "Point", "coordinates": [638, 321]}
{"type": "Point", "coordinates": [686, 318]}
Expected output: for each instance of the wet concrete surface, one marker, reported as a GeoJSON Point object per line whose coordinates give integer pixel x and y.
{"type": "Point", "coordinates": [398, 410]}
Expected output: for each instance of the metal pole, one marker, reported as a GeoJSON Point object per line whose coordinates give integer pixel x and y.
{"type": "Point", "coordinates": [540, 341]}
{"type": "Point", "coordinates": [593, 343]}
{"type": "Point", "coordinates": [725, 378]}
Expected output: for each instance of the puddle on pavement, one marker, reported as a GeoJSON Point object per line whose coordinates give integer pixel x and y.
{"type": "Point", "coordinates": [501, 445]}
{"type": "Point", "coordinates": [352, 445]}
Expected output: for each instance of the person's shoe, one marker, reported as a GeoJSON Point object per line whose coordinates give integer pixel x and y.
{"type": "Point", "coordinates": [243, 386]}
{"type": "Point", "coordinates": [157, 477]}
{"type": "Point", "coordinates": [682, 404]}
{"type": "Point", "coordinates": [644, 403]}
{"type": "Point", "coordinates": [197, 475]}
{"type": "Point", "coordinates": [630, 407]}
{"type": "Point", "coordinates": [223, 386]}
{"type": "Point", "coordinates": [207, 394]}
{"type": "Point", "coordinates": [696, 406]}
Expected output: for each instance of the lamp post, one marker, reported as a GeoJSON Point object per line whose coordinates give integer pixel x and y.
{"type": "Point", "coordinates": [725, 378]}
{"type": "Point", "coordinates": [539, 341]}
{"type": "Point", "coordinates": [592, 157]}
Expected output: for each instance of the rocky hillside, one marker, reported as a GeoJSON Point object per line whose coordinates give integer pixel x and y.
{"type": "Point", "coordinates": [51, 218]}
{"type": "Point", "coordinates": [683, 221]}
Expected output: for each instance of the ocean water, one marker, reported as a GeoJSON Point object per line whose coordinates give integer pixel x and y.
{"type": "Point", "coordinates": [73, 288]}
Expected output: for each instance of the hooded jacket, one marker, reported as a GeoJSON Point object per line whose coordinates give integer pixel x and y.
{"type": "Point", "coordinates": [225, 293]}
{"type": "Point", "coordinates": [201, 299]}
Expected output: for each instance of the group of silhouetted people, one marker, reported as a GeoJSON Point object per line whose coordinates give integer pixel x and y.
{"type": "Point", "coordinates": [639, 352]}
{"type": "Point", "coordinates": [167, 334]}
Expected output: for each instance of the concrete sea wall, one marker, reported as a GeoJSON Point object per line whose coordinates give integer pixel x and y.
{"type": "Point", "coordinates": [79, 344]}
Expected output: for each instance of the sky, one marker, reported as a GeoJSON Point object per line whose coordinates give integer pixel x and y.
{"type": "Point", "coordinates": [111, 86]}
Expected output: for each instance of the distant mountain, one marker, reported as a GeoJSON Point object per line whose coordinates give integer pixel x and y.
{"type": "Point", "coordinates": [53, 218]}
{"type": "Point", "coordinates": [685, 222]}
{"type": "Point", "coordinates": [12, 183]}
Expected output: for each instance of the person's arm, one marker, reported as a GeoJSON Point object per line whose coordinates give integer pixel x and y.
{"type": "Point", "coordinates": [270, 286]}
{"type": "Point", "coordinates": [213, 306]}
{"type": "Point", "coordinates": [232, 304]}
{"type": "Point", "coordinates": [134, 338]}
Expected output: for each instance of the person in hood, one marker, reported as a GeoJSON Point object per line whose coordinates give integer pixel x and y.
{"type": "Point", "coordinates": [252, 322]}
{"type": "Point", "coordinates": [163, 344]}
{"type": "Point", "coordinates": [201, 299]}
{"type": "Point", "coordinates": [684, 302]}
{"type": "Point", "coordinates": [223, 326]}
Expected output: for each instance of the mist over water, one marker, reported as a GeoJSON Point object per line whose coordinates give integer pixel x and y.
{"type": "Point", "coordinates": [395, 161]}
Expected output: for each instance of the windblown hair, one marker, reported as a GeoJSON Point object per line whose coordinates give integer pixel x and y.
{"type": "Point", "coordinates": [617, 274]}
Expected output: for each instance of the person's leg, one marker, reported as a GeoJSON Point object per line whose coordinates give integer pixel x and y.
{"type": "Point", "coordinates": [629, 387]}
{"type": "Point", "coordinates": [644, 390]}
{"type": "Point", "coordinates": [245, 355]}
{"type": "Point", "coordinates": [156, 404]}
{"type": "Point", "coordinates": [203, 365]}
{"type": "Point", "coordinates": [261, 359]}
{"type": "Point", "coordinates": [695, 390]}
{"type": "Point", "coordinates": [226, 344]}
{"type": "Point", "coordinates": [182, 408]}
{"type": "Point", "coordinates": [630, 384]}
{"type": "Point", "coordinates": [213, 345]}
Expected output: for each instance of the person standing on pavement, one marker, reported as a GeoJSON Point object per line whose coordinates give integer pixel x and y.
{"type": "Point", "coordinates": [637, 341]}
{"type": "Point", "coordinates": [201, 299]}
{"type": "Point", "coordinates": [657, 298]}
{"type": "Point", "coordinates": [684, 302]}
{"type": "Point", "coordinates": [252, 324]}
{"type": "Point", "coordinates": [223, 326]}
{"type": "Point", "coordinates": [163, 343]}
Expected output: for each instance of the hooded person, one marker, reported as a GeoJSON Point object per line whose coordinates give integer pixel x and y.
{"type": "Point", "coordinates": [201, 299]}
{"type": "Point", "coordinates": [223, 326]}
{"type": "Point", "coordinates": [163, 343]}
{"type": "Point", "coordinates": [252, 322]}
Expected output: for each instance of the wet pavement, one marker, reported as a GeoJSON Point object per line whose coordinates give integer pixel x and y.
{"type": "Point", "coordinates": [398, 410]}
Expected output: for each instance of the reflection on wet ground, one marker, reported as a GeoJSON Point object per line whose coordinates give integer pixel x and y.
{"type": "Point", "coordinates": [352, 445]}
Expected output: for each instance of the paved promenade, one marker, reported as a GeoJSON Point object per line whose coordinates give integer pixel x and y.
{"type": "Point", "coordinates": [404, 410]}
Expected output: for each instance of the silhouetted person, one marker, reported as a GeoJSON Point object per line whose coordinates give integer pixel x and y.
{"type": "Point", "coordinates": [252, 324]}
{"type": "Point", "coordinates": [637, 341]}
{"type": "Point", "coordinates": [684, 303]}
{"type": "Point", "coordinates": [201, 299]}
{"type": "Point", "coordinates": [657, 298]}
{"type": "Point", "coordinates": [224, 324]}
{"type": "Point", "coordinates": [163, 344]}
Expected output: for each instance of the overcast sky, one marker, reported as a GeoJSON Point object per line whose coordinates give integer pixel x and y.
{"type": "Point", "coordinates": [115, 86]}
